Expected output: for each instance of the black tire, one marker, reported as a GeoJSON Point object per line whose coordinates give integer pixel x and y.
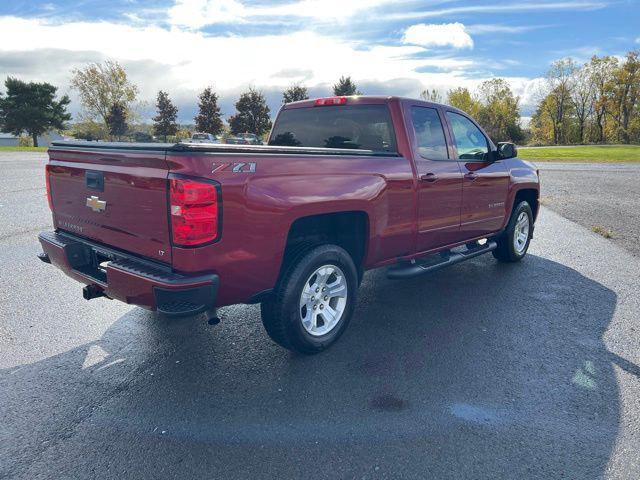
{"type": "Point", "coordinates": [281, 314]}
{"type": "Point", "coordinates": [506, 251]}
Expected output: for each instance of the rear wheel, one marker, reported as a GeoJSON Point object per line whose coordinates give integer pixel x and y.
{"type": "Point", "coordinates": [513, 243]}
{"type": "Point", "coordinates": [314, 300]}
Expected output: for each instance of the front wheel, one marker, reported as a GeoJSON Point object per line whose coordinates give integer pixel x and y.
{"type": "Point", "coordinates": [314, 300]}
{"type": "Point", "coordinates": [513, 243]}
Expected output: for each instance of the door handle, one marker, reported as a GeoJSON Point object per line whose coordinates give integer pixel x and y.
{"type": "Point", "coordinates": [429, 177]}
{"type": "Point", "coordinates": [470, 175]}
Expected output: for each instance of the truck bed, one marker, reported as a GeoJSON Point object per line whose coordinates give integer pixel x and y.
{"type": "Point", "coordinates": [215, 148]}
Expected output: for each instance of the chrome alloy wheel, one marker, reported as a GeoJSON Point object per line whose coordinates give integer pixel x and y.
{"type": "Point", "coordinates": [323, 300]}
{"type": "Point", "coordinates": [521, 233]}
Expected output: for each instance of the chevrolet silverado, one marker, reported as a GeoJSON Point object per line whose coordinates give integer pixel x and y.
{"type": "Point", "coordinates": [345, 184]}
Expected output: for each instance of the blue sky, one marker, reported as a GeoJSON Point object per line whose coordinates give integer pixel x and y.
{"type": "Point", "coordinates": [389, 47]}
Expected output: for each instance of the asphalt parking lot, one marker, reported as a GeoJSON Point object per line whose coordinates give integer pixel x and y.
{"type": "Point", "coordinates": [483, 370]}
{"type": "Point", "coordinates": [596, 195]}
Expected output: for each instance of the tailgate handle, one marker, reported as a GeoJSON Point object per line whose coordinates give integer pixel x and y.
{"type": "Point", "coordinates": [95, 180]}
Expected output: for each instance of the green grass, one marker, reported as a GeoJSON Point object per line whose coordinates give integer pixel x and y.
{"type": "Point", "coordinates": [581, 153]}
{"type": "Point", "coordinates": [605, 232]}
{"type": "Point", "coordinates": [22, 149]}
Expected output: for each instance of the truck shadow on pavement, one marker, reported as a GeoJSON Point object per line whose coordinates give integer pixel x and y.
{"type": "Point", "coordinates": [482, 370]}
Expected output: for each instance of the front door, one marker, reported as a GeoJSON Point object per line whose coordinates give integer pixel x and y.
{"type": "Point", "coordinates": [486, 182]}
{"type": "Point", "coordinates": [439, 181]}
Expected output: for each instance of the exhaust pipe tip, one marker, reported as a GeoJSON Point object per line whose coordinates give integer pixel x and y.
{"type": "Point", "coordinates": [92, 291]}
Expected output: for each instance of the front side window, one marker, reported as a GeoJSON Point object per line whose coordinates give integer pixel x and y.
{"type": "Point", "coordinates": [470, 141]}
{"type": "Point", "coordinates": [367, 127]}
{"type": "Point", "coordinates": [429, 133]}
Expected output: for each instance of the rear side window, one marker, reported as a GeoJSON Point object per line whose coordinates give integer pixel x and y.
{"type": "Point", "coordinates": [470, 141]}
{"type": "Point", "coordinates": [429, 133]}
{"type": "Point", "coordinates": [367, 127]}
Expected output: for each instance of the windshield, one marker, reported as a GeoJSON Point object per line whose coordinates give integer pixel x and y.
{"type": "Point", "coordinates": [200, 136]}
{"type": "Point", "coordinates": [366, 127]}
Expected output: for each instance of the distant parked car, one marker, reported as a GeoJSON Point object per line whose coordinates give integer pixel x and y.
{"type": "Point", "coordinates": [142, 137]}
{"type": "Point", "coordinates": [204, 138]}
{"type": "Point", "coordinates": [245, 139]}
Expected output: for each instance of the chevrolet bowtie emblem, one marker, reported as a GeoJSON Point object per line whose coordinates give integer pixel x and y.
{"type": "Point", "coordinates": [95, 204]}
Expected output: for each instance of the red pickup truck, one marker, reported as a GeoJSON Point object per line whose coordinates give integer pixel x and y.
{"type": "Point", "coordinates": [345, 184]}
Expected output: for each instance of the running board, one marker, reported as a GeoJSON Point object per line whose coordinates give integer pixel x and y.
{"type": "Point", "coordinates": [437, 261]}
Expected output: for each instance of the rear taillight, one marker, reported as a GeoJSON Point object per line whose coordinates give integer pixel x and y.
{"type": "Point", "coordinates": [47, 182]}
{"type": "Point", "coordinates": [330, 101]}
{"type": "Point", "coordinates": [194, 212]}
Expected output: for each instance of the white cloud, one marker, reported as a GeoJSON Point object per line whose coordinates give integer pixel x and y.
{"type": "Point", "coordinates": [638, 40]}
{"type": "Point", "coordinates": [183, 62]}
{"type": "Point", "coordinates": [490, 28]}
{"type": "Point", "coordinates": [198, 13]}
{"type": "Point", "coordinates": [517, 7]}
{"type": "Point", "coordinates": [438, 35]}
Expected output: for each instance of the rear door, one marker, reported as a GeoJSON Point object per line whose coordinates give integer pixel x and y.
{"type": "Point", "coordinates": [439, 179]}
{"type": "Point", "coordinates": [114, 196]}
{"type": "Point", "coordinates": [485, 182]}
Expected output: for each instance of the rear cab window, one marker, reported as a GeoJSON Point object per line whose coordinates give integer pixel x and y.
{"type": "Point", "coordinates": [367, 127]}
{"type": "Point", "coordinates": [429, 133]}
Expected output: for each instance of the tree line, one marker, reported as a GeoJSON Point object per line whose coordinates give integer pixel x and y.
{"type": "Point", "coordinates": [108, 96]}
{"type": "Point", "coordinates": [597, 102]}
{"type": "Point", "coordinates": [493, 105]}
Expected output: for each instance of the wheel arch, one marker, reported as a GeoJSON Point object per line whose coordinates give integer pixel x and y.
{"type": "Point", "coordinates": [347, 229]}
{"type": "Point", "coordinates": [531, 196]}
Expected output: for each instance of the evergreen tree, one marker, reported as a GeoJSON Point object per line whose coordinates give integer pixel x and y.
{"type": "Point", "coordinates": [345, 87]}
{"type": "Point", "coordinates": [209, 119]}
{"type": "Point", "coordinates": [165, 123]}
{"type": "Point", "coordinates": [295, 93]}
{"type": "Point", "coordinates": [252, 114]}
{"type": "Point", "coordinates": [117, 120]}
{"type": "Point", "coordinates": [32, 108]}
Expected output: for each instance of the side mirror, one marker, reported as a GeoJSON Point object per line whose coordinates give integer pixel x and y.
{"type": "Point", "coordinates": [507, 150]}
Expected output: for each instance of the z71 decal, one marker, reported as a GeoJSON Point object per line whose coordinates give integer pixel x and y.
{"type": "Point", "coordinates": [239, 167]}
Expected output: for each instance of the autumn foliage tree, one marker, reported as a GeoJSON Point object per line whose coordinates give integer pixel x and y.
{"type": "Point", "coordinates": [432, 95]}
{"type": "Point", "coordinates": [209, 118]}
{"type": "Point", "coordinates": [494, 106]}
{"type": "Point", "coordinates": [102, 85]}
{"type": "Point", "coordinates": [461, 98]}
{"type": "Point", "coordinates": [626, 97]}
{"type": "Point", "coordinates": [499, 111]}
{"type": "Point", "coordinates": [596, 102]}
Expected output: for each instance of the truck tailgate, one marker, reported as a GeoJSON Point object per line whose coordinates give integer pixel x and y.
{"type": "Point", "coordinates": [117, 197]}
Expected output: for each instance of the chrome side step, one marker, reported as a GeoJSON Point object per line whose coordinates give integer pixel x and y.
{"type": "Point", "coordinates": [438, 261]}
